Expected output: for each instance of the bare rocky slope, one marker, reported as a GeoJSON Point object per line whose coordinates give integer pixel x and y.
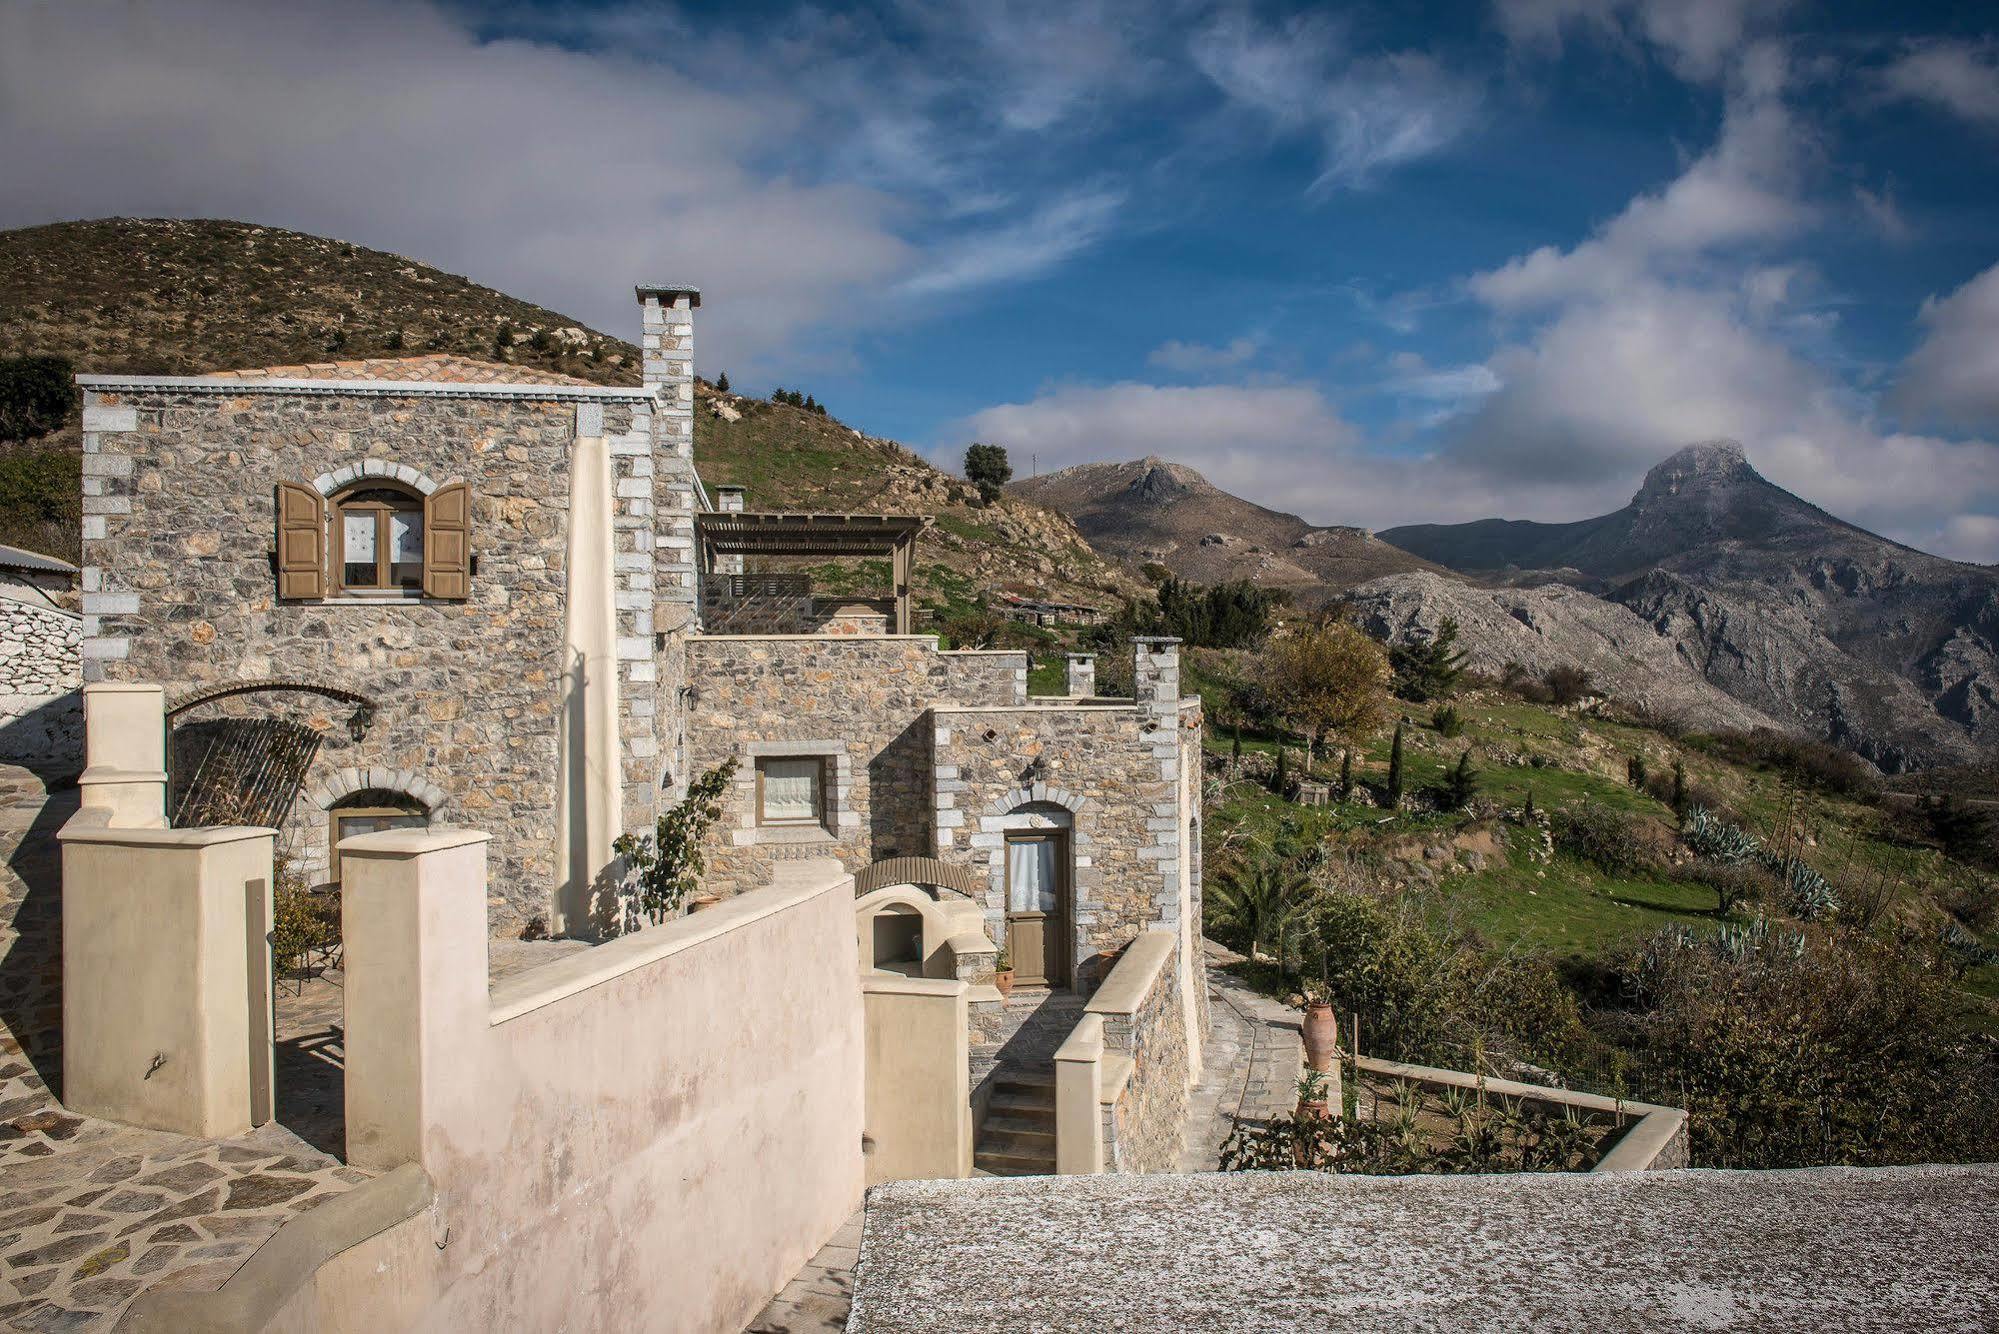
{"type": "Point", "coordinates": [1551, 626]}
{"type": "Point", "coordinates": [1150, 510]}
{"type": "Point", "coordinates": [1825, 626]}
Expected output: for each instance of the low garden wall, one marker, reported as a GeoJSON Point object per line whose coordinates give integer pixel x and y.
{"type": "Point", "coordinates": [597, 1135]}
{"type": "Point", "coordinates": [1122, 1076]}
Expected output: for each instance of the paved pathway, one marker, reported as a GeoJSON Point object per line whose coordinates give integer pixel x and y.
{"type": "Point", "coordinates": [819, 1297]}
{"type": "Point", "coordinates": [1250, 1066]}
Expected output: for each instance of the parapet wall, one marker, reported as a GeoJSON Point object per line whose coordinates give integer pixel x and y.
{"type": "Point", "coordinates": [1145, 1024]}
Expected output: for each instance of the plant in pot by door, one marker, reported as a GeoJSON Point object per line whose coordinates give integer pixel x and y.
{"type": "Point", "coordinates": [1003, 972]}
{"type": "Point", "coordinates": [663, 868]}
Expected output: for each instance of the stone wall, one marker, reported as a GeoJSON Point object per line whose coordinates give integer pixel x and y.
{"type": "Point", "coordinates": [41, 711]}
{"type": "Point", "coordinates": [860, 701]}
{"type": "Point", "coordinates": [1144, 1126]}
{"type": "Point", "coordinates": [179, 588]}
{"type": "Point", "coordinates": [1100, 767]}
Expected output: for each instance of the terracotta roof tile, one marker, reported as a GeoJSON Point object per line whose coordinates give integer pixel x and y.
{"type": "Point", "coordinates": [432, 367]}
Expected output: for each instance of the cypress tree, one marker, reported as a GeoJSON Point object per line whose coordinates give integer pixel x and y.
{"type": "Point", "coordinates": [1395, 769]}
{"type": "Point", "coordinates": [1527, 811]}
{"type": "Point", "coordinates": [1463, 783]}
{"type": "Point", "coordinates": [1283, 768]}
{"type": "Point", "coordinates": [722, 382]}
{"type": "Point", "coordinates": [1679, 786]}
{"type": "Point", "coordinates": [1235, 743]}
{"type": "Point", "coordinates": [1346, 772]}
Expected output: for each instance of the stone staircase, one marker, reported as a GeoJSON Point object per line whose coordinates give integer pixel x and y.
{"type": "Point", "coordinates": [1017, 1137]}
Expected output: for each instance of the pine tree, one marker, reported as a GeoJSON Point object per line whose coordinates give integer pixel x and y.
{"type": "Point", "coordinates": [1395, 769]}
{"type": "Point", "coordinates": [1428, 670]}
{"type": "Point", "coordinates": [722, 382]}
{"type": "Point", "coordinates": [1346, 772]}
{"type": "Point", "coordinates": [1463, 782]}
{"type": "Point", "coordinates": [811, 403]}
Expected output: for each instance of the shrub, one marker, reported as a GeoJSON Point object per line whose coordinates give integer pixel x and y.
{"type": "Point", "coordinates": [1811, 764]}
{"type": "Point", "coordinates": [1607, 839]}
{"type": "Point", "coordinates": [1448, 721]}
{"type": "Point", "coordinates": [41, 500]}
{"type": "Point", "coordinates": [1566, 685]}
{"type": "Point", "coordinates": [37, 395]}
{"type": "Point", "coordinates": [1790, 1053]}
{"type": "Point", "coordinates": [1733, 883]}
{"type": "Point", "coordinates": [1635, 772]}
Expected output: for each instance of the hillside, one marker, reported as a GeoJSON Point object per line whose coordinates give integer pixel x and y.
{"type": "Point", "coordinates": [1844, 634]}
{"type": "Point", "coordinates": [162, 296]}
{"type": "Point", "coordinates": [1150, 510]}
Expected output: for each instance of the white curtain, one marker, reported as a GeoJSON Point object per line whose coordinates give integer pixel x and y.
{"type": "Point", "coordinates": [1031, 876]}
{"type": "Point", "coordinates": [791, 789]}
{"type": "Point", "coordinates": [405, 536]}
{"type": "Point", "coordinates": [360, 539]}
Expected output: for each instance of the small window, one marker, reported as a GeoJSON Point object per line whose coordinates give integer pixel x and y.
{"type": "Point", "coordinates": [370, 812]}
{"type": "Point", "coordinates": [379, 537]}
{"type": "Point", "coordinates": [791, 791]}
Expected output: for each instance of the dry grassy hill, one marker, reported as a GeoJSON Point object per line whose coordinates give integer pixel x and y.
{"type": "Point", "coordinates": [163, 296]}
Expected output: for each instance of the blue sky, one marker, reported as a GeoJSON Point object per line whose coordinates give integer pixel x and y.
{"type": "Point", "coordinates": [1375, 264]}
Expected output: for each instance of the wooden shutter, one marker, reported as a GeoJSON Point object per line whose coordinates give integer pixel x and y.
{"type": "Point", "coordinates": [301, 542]}
{"type": "Point", "coordinates": [447, 542]}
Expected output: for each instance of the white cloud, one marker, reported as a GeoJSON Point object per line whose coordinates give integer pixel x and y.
{"type": "Point", "coordinates": [1201, 359]}
{"type": "Point", "coordinates": [1020, 249]}
{"type": "Point", "coordinates": [1698, 37]}
{"type": "Point", "coordinates": [1960, 77]}
{"type": "Point", "coordinates": [561, 176]}
{"type": "Point", "coordinates": [1745, 189]}
{"type": "Point", "coordinates": [1972, 537]}
{"type": "Point", "coordinates": [1953, 375]}
{"type": "Point", "coordinates": [1370, 113]}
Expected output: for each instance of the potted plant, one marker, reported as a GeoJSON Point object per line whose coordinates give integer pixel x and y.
{"type": "Point", "coordinates": [663, 868]}
{"type": "Point", "coordinates": [1322, 1033]}
{"type": "Point", "coordinates": [1313, 1105]}
{"type": "Point", "coordinates": [1003, 972]}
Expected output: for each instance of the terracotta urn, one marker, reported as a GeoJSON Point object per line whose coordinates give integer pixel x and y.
{"type": "Point", "coordinates": [703, 902]}
{"type": "Point", "coordinates": [1322, 1036]}
{"type": "Point", "coordinates": [1003, 982]}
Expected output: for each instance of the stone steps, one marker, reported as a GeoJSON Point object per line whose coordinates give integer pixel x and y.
{"type": "Point", "coordinates": [1017, 1136]}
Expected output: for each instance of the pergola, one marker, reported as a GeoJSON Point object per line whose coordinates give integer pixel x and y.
{"type": "Point", "coordinates": [745, 534]}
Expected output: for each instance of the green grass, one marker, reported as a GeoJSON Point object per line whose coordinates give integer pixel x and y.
{"type": "Point", "coordinates": [1569, 908]}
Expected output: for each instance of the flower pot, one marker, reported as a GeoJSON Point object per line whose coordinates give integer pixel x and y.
{"type": "Point", "coordinates": [703, 902]}
{"type": "Point", "coordinates": [1003, 982]}
{"type": "Point", "coordinates": [1322, 1036]}
{"type": "Point", "coordinates": [1317, 1107]}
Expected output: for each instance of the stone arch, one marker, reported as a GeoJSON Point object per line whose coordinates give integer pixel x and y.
{"type": "Point", "coordinates": [343, 783]}
{"type": "Point", "coordinates": [375, 470]}
{"type": "Point", "coordinates": [898, 900]}
{"type": "Point", "coordinates": [1039, 794]}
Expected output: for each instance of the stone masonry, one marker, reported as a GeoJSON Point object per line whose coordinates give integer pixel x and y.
{"type": "Point", "coordinates": [861, 703]}
{"type": "Point", "coordinates": [179, 585]}
{"type": "Point", "coordinates": [41, 713]}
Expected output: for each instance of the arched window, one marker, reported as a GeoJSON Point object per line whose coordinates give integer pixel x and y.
{"type": "Point", "coordinates": [378, 539]}
{"type": "Point", "coordinates": [370, 811]}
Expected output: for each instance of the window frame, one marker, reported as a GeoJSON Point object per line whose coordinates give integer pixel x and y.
{"type": "Point", "coordinates": [817, 820]}
{"type": "Point", "coordinates": [336, 814]}
{"type": "Point", "coordinates": [343, 504]}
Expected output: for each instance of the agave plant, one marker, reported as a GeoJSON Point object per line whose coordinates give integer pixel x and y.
{"type": "Point", "coordinates": [1714, 839]}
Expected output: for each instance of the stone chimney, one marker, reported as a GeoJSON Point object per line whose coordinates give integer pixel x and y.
{"type": "Point", "coordinates": [1155, 674]}
{"type": "Point", "coordinates": [1082, 675]}
{"type": "Point", "coordinates": [667, 360]}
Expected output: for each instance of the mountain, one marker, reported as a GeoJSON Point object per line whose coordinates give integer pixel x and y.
{"type": "Point", "coordinates": [1150, 510]}
{"type": "Point", "coordinates": [172, 296]}
{"type": "Point", "coordinates": [1843, 634]}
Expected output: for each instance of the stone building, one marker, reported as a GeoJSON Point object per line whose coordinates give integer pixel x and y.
{"type": "Point", "coordinates": [429, 591]}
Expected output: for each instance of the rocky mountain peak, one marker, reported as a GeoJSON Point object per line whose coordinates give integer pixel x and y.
{"type": "Point", "coordinates": [1158, 482]}
{"type": "Point", "coordinates": [1708, 466]}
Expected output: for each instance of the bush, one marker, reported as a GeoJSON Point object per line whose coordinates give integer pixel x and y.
{"type": "Point", "coordinates": [1795, 1052]}
{"type": "Point", "coordinates": [1811, 764]}
{"type": "Point", "coordinates": [1733, 883]}
{"type": "Point", "coordinates": [41, 501]}
{"type": "Point", "coordinates": [1448, 721]}
{"type": "Point", "coordinates": [1607, 839]}
{"type": "Point", "coordinates": [1566, 685]}
{"type": "Point", "coordinates": [37, 395]}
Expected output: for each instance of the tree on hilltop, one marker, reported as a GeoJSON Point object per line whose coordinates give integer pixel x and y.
{"type": "Point", "coordinates": [987, 468]}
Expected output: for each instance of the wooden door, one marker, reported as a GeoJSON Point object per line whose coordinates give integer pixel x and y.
{"type": "Point", "coordinates": [1037, 903]}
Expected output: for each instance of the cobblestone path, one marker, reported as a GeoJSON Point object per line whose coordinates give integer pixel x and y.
{"type": "Point", "coordinates": [1250, 1066]}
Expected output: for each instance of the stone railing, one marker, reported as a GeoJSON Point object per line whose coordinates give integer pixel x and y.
{"type": "Point", "coordinates": [1121, 1077]}
{"type": "Point", "coordinates": [1654, 1138]}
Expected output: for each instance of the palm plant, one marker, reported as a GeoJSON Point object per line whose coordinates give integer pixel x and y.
{"type": "Point", "coordinates": [1259, 899]}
